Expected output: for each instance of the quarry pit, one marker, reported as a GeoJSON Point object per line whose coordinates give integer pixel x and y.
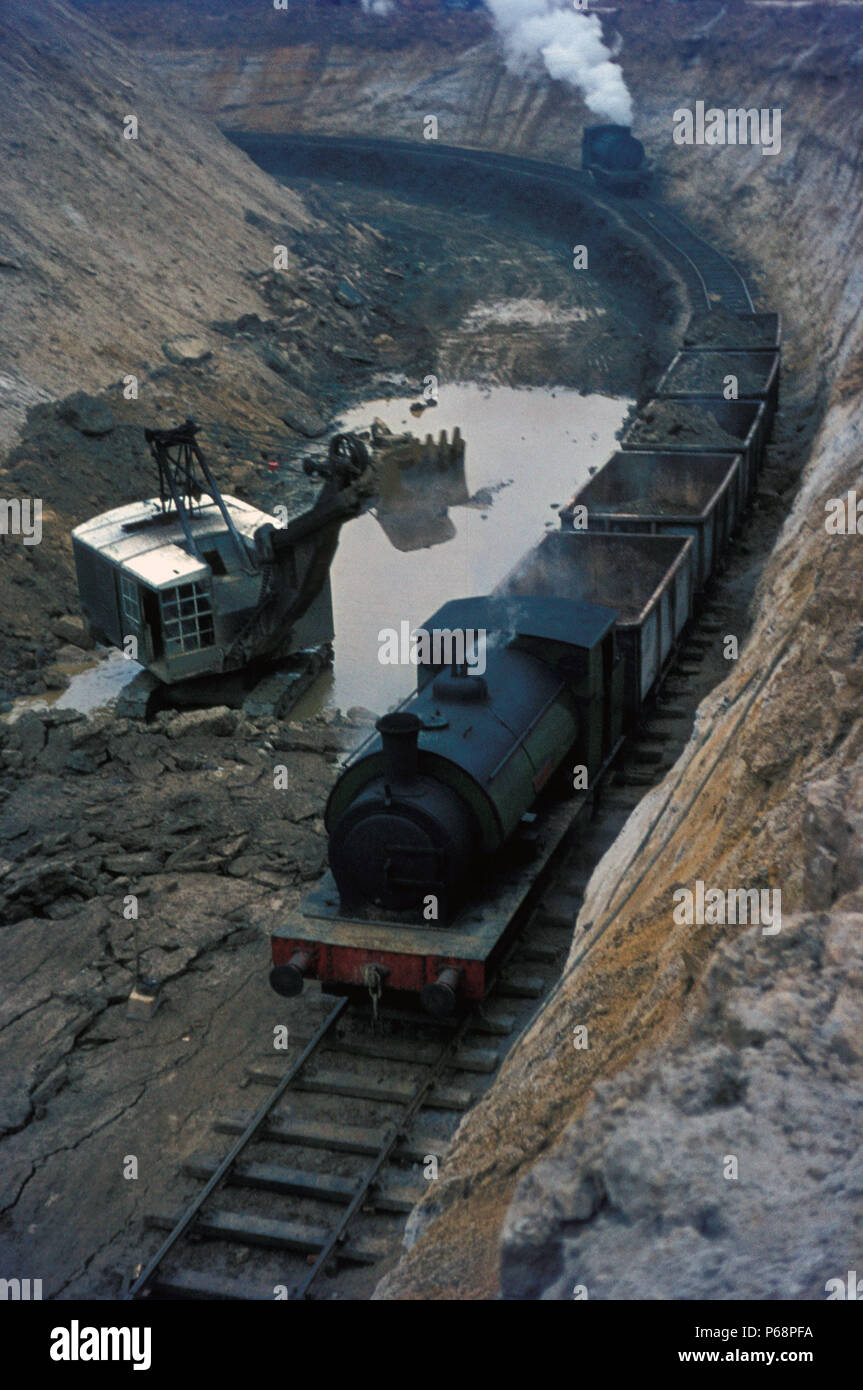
{"type": "Point", "coordinates": [574, 1167]}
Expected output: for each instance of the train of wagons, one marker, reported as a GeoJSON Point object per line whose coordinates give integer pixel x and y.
{"type": "Point", "coordinates": [440, 823]}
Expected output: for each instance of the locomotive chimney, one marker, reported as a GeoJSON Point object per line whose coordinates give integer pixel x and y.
{"type": "Point", "coordinates": [399, 741]}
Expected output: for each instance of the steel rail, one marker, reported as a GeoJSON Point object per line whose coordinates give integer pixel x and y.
{"type": "Point", "coordinates": [399, 1128]}
{"type": "Point", "coordinates": [655, 231]}
{"type": "Point", "coordinates": [224, 1168]}
{"type": "Point", "coordinates": [696, 236]}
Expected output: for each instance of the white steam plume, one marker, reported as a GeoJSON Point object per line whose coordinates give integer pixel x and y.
{"type": "Point", "coordinates": [571, 46]}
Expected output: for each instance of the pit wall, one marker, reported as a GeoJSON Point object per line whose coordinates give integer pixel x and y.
{"type": "Point", "coordinates": [604, 1169]}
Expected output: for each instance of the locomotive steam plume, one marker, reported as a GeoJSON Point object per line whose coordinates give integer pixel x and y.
{"type": "Point", "coordinates": [570, 45]}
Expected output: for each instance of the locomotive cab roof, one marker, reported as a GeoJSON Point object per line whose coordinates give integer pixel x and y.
{"type": "Point", "coordinates": [574, 623]}
{"type": "Point", "coordinates": [607, 125]}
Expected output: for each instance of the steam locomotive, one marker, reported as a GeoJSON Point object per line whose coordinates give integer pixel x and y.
{"type": "Point", "coordinates": [615, 159]}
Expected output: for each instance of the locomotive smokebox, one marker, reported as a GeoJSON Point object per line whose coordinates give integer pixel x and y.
{"type": "Point", "coordinates": [399, 744]}
{"type": "Point", "coordinates": [405, 835]}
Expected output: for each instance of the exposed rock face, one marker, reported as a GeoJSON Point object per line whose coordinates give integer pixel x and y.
{"type": "Point", "coordinates": [728, 1169]}
{"type": "Point", "coordinates": [187, 350]}
{"type": "Point", "coordinates": [151, 229]}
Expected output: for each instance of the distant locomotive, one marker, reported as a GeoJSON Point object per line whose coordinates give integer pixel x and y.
{"type": "Point", "coordinates": [615, 159]}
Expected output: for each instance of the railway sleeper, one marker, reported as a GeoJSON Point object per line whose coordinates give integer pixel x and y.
{"type": "Point", "coordinates": [245, 1228]}
{"type": "Point", "coordinates": [515, 986]}
{"type": "Point", "coordinates": [441, 1097]}
{"type": "Point", "coordinates": [641, 777]}
{"type": "Point", "coordinates": [623, 798]}
{"type": "Point", "coordinates": [642, 754]}
{"type": "Point", "coordinates": [539, 952]}
{"type": "Point", "coordinates": [182, 1283]}
{"type": "Point", "coordinates": [346, 1139]}
{"type": "Point", "coordinates": [495, 1026]}
{"type": "Point", "coordinates": [472, 1059]}
{"type": "Point", "coordinates": [557, 918]}
{"type": "Point", "coordinates": [391, 1194]}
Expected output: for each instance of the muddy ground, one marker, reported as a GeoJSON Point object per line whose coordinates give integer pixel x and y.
{"type": "Point", "coordinates": [181, 817]}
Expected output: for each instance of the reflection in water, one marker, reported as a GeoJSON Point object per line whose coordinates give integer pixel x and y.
{"type": "Point", "coordinates": [526, 451]}
{"type": "Point", "coordinates": [417, 482]}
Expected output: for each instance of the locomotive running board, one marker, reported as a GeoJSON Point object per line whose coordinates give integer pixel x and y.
{"type": "Point", "coordinates": [339, 948]}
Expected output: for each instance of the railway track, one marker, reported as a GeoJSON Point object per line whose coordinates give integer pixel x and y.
{"type": "Point", "coordinates": [403, 1109]}
{"type": "Point", "coordinates": [709, 273]}
{"type": "Point", "coordinates": [312, 1196]}
{"type": "Point", "coordinates": [719, 280]}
